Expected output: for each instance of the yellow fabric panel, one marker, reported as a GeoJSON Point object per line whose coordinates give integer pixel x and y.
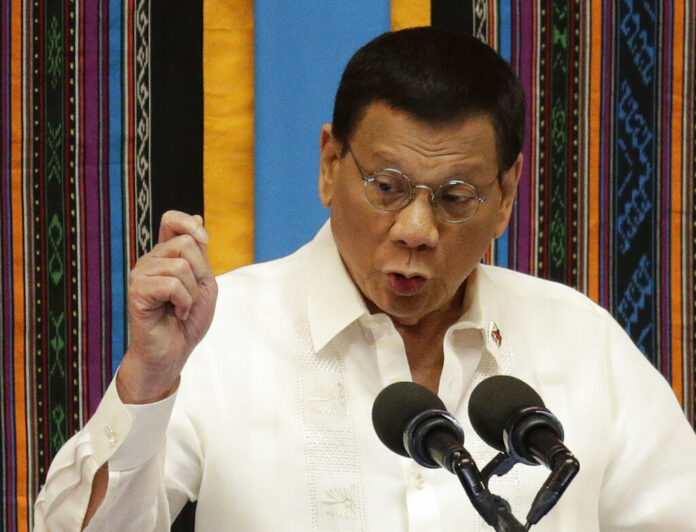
{"type": "Point", "coordinates": [406, 14]}
{"type": "Point", "coordinates": [228, 122]}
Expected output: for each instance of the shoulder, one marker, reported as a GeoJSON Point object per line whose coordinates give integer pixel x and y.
{"type": "Point", "coordinates": [525, 290]}
{"type": "Point", "coordinates": [271, 277]}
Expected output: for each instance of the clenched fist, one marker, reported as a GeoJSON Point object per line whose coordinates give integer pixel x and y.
{"type": "Point", "coordinates": [171, 301]}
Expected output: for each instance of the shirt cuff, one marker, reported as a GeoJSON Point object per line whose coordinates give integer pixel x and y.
{"type": "Point", "coordinates": [128, 435]}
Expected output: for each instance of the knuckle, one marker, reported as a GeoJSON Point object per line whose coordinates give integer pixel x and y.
{"type": "Point", "coordinates": [180, 266]}
{"type": "Point", "coordinates": [172, 284]}
{"type": "Point", "coordinates": [187, 240]}
{"type": "Point", "coordinates": [168, 216]}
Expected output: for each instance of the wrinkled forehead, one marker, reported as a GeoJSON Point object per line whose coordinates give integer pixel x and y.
{"type": "Point", "coordinates": [380, 121]}
{"type": "Point", "coordinates": [394, 138]}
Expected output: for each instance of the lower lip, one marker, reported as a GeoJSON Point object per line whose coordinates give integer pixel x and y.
{"type": "Point", "coordinates": [406, 286]}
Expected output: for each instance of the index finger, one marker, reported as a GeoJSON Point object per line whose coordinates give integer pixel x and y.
{"type": "Point", "coordinates": [175, 223]}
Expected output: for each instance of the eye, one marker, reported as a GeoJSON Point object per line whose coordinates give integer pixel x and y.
{"type": "Point", "coordinates": [384, 185]}
{"type": "Point", "coordinates": [459, 193]}
{"type": "Point", "coordinates": [388, 183]}
{"type": "Point", "coordinates": [387, 190]}
{"type": "Point", "coordinates": [455, 197]}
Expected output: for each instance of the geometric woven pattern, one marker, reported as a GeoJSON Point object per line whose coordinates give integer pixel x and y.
{"type": "Point", "coordinates": [70, 184]}
{"type": "Point", "coordinates": [606, 201]}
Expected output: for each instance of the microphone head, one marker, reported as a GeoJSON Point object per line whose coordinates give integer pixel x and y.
{"type": "Point", "coordinates": [494, 401]}
{"type": "Point", "coordinates": [395, 406]}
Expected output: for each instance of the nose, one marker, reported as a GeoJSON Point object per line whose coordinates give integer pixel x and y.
{"type": "Point", "coordinates": [416, 225]}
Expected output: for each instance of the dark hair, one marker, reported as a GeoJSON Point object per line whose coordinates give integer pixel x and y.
{"type": "Point", "coordinates": [438, 75]}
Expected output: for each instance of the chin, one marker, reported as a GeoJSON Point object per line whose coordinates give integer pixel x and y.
{"type": "Point", "coordinates": [406, 310]}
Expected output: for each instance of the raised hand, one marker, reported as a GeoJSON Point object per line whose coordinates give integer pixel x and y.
{"type": "Point", "coordinates": [171, 301]}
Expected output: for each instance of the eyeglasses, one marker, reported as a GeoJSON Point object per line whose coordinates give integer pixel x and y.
{"type": "Point", "coordinates": [391, 190]}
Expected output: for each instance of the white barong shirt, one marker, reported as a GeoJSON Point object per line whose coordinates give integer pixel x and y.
{"type": "Point", "coordinates": [271, 429]}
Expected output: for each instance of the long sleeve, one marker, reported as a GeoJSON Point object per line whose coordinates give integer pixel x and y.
{"type": "Point", "coordinates": [131, 439]}
{"type": "Point", "coordinates": [651, 479]}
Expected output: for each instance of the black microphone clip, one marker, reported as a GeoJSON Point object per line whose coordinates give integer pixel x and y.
{"type": "Point", "coordinates": [432, 438]}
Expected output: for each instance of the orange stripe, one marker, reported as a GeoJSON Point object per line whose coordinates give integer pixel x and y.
{"type": "Point", "coordinates": [407, 14]}
{"type": "Point", "coordinates": [594, 135]}
{"type": "Point", "coordinates": [677, 147]}
{"type": "Point", "coordinates": [18, 266]}
{"type": "Point", "coordinates": [228, 118]}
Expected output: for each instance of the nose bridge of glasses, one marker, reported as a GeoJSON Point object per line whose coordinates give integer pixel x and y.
{"type": "Point", "coordinates": [429, 189]}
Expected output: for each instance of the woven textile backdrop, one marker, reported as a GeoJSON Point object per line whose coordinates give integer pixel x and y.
{"type": "Point", "coordinates": [104, 105]}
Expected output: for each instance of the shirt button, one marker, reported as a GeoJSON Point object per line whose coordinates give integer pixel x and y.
{"type": "Point", "coordinates": [418, 480]}
{"type": "Point", "coordinates": [110, 434]}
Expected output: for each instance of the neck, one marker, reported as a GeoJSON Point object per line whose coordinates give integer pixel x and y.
{"type": "Point", "coordinates": [423, 340]}
{"type": "Point", "coordinates": [424, 350]}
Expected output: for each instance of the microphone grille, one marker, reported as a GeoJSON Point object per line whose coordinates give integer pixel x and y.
{"type": "Point", "coordinates": [395, 406]}
{"type": "Point", "coordinates": [492, 403]}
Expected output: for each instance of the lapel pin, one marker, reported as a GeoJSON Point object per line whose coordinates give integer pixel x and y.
{"type": "Point", "coordinates": [494, 333]}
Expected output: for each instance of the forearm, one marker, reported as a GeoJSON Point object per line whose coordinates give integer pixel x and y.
{"type": "Point", "coordinates": [117, 459]}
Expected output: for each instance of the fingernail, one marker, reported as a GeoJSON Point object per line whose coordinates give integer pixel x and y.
{"type": "Point", "coordinates": [202, 235]}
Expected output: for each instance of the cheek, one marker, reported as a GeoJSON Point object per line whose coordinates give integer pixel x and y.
{"type": "Point", "coordinates": [347, 219]}
{"type": "Point", "coordinates": [352, 230]}
{"type": "Point", "coordinates": [466, 250]}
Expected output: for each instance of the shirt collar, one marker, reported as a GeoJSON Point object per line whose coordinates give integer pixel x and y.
{"type": "Point", "coordinates": [333, 301]}
{"type": "Point", "coordinates": [481, 309]}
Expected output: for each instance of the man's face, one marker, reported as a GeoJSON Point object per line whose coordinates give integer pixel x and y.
{"type": "Point", "coordinates": [409, 263]}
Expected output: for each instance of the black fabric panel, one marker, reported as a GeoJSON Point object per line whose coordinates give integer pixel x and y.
{"type": "Point", "coordinates": [456, 14]}
{"type": "Point", "coordinates": [176, 142]}
{"type": "Point", "coordinates": [177, 106]}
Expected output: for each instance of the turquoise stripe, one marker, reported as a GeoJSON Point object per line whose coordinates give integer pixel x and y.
{"type": "Point", "coordinates": [116, 212]}
{"type": "Point", "coordinates": [300, 48]}
{"type": "Point", "coordinates": [502, 245]}
{"type": "Point", "coordinates": [505, 30]}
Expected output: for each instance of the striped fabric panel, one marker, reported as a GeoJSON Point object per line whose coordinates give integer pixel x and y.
{"type": "Point", "coordinates": [606, 198]}
{"type": "Point", "coordinates": [74, 215]}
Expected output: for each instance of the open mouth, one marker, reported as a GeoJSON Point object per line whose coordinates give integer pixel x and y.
{"type": "Point", "coordinates": [406, 286]}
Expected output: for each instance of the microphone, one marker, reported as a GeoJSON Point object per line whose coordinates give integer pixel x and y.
{"type": "Point", "coordinates": [413, 422]}
{"type": "Point", "coordinates": [511, 417]}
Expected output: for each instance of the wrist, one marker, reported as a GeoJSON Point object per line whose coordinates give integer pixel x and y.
{"type": "Point", "coordinates": [138, 384]}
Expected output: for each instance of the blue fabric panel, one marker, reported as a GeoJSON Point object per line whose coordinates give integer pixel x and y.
{"type": "Point", "coordinates": [301, 48]}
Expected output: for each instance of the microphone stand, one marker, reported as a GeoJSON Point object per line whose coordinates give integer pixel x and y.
{"type": "Point", "coordinates": [563, 469]}
{"type": "Point", "coordinates": [431, 442]}
{"type": "Point", "coordinates": [494, 509]}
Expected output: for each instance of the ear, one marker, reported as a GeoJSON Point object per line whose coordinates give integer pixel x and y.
{"type": "Point", "coordinates": [329, 155]}
{"type": "Point", "coordinates": [508, 187]}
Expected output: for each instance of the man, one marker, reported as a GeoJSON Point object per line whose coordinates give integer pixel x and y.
{"type": "Point", "coordinates": [266, 423]}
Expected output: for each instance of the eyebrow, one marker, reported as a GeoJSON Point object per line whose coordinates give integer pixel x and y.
{"type": "Point", "coordinates": [390, 162]}
{"type": "Point", "coordinates": [462, 171]}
